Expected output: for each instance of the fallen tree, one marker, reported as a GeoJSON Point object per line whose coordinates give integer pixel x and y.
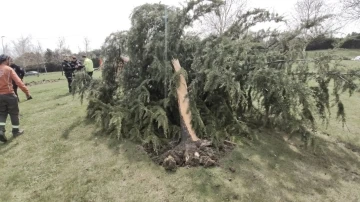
{"type": "Point", "coordinates": [227, 84]}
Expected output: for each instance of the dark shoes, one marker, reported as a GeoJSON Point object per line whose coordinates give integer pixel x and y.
{"type": "Point", "coordinates": [17, 133]}
{"type": "Point", "coordinates": [2, 137]}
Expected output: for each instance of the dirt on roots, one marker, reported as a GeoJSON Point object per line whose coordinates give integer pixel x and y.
{"type": "Point", "coordinates": [189, 154]}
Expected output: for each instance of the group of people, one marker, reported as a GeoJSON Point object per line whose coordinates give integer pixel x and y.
{"type": "Point", "coordinates": [10, 78]}
{"type": "Point", "coordinates": [72, 64]}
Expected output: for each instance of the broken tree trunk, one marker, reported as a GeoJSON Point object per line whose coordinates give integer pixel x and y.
{"type": "Point", "coordinates": [191, 151]}
{"type": "Point", "coordinates": [187, 131]}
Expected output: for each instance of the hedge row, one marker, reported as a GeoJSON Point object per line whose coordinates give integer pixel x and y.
{"type": "Point", "coordinates": [54, 67]}
{"type": "Point", "coordinates": [323, 43]}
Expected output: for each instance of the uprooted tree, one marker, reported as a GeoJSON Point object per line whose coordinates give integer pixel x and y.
{"type": "Point", "coordinates": [215, 89]}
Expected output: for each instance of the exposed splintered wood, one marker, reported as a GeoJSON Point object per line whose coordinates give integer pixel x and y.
{"type": "Point", "coordinates": [191, 151]}
{"type": "Point", "coordinates": [184, 105]}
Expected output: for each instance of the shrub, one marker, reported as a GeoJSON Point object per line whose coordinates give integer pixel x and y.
{"type": "Point", "coordinates": [321, 43]}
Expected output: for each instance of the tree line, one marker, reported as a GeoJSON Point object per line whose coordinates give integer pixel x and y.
{"type": "Point", "coordinates": [32, 56]}
{"type": "Point", "coordinates": [322, 42]}
{"type": "Point", "coordinates": [323, 19]}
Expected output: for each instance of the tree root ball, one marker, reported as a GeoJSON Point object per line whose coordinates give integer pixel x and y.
{"type": "Point", "coordinates": [190, 154]}
{"type": "Point", "coordinates": [169, 163]}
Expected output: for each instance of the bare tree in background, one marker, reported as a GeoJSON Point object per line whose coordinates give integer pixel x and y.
{"type": "Point", "coordinates": [21, 47]}
{"type": "Point", "coordinates": [316, 12]}
{"type": "Point", "coordinates": [6, 49]}
{"type": "Point", "coordinates": [60, 49]}
{"type": "Point", "coordinates": [87, 45]}
{"type": "Point", "coordinates": [39, 53]}
{"type": "Point", "coordinates": [59, 53]}
{"type": "Point", "coordinates": [351, 10]}
{"type": "Point", "coordinates": [218, 22]}
{"type": "Point", "coordinates": [61, 44]}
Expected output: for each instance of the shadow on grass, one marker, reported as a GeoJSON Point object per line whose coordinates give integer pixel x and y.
{"type": "Point", "coordinates": [39, 109]}
{"type": "Point", "coordinates": [6, 147]}
{"type": "Point", "coordinates": [267, 162]}
{"type": "Point", "coordinates": [134, 152]}
{"type": "Point", "coordinates": [77, 123]}
{"type": "Point", "coordinates": [98, 137]}
{"type": "Point", "coordinates": [299, 175]}
{"type": "Point", "coordinates": [62, 96]}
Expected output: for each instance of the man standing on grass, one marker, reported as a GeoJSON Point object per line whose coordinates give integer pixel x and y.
{"type": "Point", "coordinates": [8, 100]}
{"type": "Point", "coordinates": [89, 66]}
{"type": "Point", "coordinates": [20, 72]}
{"type": "Point", "coordinates": [69, 71]}
{"type": "Point", "coordinates": [75, 63]}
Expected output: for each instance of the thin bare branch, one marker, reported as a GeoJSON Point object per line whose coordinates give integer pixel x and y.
{"type": "Point", "coordinates": [219, 21]}
{"type": "Point", "coordinates": [351, 10]}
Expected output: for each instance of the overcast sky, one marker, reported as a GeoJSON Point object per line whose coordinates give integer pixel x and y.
{"type": "Point", "coordinates": [47, 20]}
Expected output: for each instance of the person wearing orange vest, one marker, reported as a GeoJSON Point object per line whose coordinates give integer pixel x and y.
{"type": "Point", "coordinates": [9, 104]}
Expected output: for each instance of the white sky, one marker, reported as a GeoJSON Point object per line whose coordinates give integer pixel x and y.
{"type": "Point", "coordinates": [47, 20]}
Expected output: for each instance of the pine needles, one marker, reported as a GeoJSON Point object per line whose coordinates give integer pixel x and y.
{"type": "Point", "coordinates": [235, 81]}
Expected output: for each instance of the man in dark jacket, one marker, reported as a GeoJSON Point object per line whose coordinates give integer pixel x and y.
{"type": "Point", "coordinates": [21, 73]}
{"type": "Point", "coordinates": [76, 64]}
{"type": "Point", "coordinates": [69, 71]}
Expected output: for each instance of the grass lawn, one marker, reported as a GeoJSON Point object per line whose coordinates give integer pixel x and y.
{"type": "Point", "coordinates": [349, 53]}
{"type": "Point", "coordinates": [50, 76]}
{"type": "Point", "coordinates": [63, 158]}
{"type": "Point", "coordinates": [44, 76]}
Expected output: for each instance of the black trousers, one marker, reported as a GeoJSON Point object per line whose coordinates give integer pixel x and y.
{"type": "Point", "coordinates": [9, 105]}
{"type": "Point", "coordinates": [69, 78]}
{"type": "Point", "coordinates": [90, 74]}
{"type": "Point", "coordinates": [15, 87]}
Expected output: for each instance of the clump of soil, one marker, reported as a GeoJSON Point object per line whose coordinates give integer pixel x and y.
{"type": "Point", "coordinates": [189, 154]}
{"type": "Point", "coordinates": [33, 83]}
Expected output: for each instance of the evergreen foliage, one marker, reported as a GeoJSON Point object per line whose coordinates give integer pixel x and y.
{"type": "Point", "coordinates": [236, 80]}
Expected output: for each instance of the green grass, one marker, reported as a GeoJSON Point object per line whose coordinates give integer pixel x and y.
{"type": "Point", "coordinates": [351, 131]}
{"type": "Point", "coordinates": [63, 158]}
{"type": "Point", "coordinates": [46, 76]}
{"type": "Point", "coordinates": [50, 76]}
{"type": "Point", "coordinates": [348, 53]}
